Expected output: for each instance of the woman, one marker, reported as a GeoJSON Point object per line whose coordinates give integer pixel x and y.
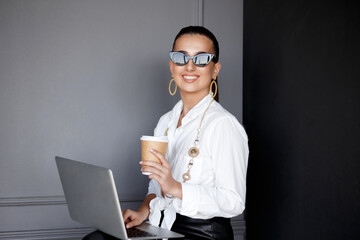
{"type": "Point", "coordinates": [201, 182]}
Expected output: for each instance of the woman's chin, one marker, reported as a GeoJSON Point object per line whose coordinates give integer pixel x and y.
{"type": "Point", "coordinates": [193, 92]}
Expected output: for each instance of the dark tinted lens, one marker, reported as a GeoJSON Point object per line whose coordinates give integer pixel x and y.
{"type": "Point", "coordinates": [202, 60]}
{"type": "Point", "coordinates": [178, 58]}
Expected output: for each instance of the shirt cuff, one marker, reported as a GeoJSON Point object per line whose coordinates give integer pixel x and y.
{"type": "Point", "coordinates": [189, 204]}
{"type": "Point", "coordinates": [154, 188]}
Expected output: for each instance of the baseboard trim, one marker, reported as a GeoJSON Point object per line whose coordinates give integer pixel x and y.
{"type": "Point", "coordinates": [239, 227]}
{"type": "Point", "coordinates": [50, 200]}
{"type": "Point", "coordinates": [64, 233]}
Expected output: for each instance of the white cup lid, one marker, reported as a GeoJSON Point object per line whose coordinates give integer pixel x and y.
{"type": "Point", "coordinates": [155, 139]}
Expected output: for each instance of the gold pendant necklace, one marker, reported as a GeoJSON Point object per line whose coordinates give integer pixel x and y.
{"type": "Point", "coordinates": [194, 151]}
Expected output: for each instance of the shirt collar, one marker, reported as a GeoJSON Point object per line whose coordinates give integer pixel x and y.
{"type": "Point", "coordinates": [193, 113]}
{"type": "Point", "coordinates": [198, 108]}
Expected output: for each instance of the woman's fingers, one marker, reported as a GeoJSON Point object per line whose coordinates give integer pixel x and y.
{"type": "Point", "coordinates": [132, 223]}
{"type": "Point", "coordinates": [152, 170]}
{"type": "Point", "coordinates": [160, 156]}
{"type": "Point", "coordinates": [155, 168]}
{"type": "Point", "coordinates": [161, 172]}
{"type": "Point", "coordinates": [131, 218]}
{"type": "Point", "coordinates": [152, 164]}
{"type": "Point", "coordinates": [127, 215]}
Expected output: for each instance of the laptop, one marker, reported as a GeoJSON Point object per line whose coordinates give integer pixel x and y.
{"type": "Point", "coordinates": [92, 200]}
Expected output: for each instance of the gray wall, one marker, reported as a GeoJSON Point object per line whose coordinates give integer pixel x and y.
{"type": "Point", "coordinates": [85, 79]}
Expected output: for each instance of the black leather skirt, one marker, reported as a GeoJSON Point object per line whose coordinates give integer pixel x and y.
{"type": "Point", "coordinates": [214, 228]}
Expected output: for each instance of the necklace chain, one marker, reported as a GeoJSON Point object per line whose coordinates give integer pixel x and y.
{"type": "Point", "coordinates": [194, 151]}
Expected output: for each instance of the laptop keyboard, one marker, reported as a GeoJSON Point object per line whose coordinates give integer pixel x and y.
{"type": "Point", "coordinates": [134, 232]}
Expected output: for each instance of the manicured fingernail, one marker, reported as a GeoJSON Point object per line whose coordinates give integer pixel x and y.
{"type": "Point", "coordinates": [151, 150]}
{"type": "Point", "coordinates": [140, 162]}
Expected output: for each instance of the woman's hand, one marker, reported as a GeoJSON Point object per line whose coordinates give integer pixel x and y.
{"type": "Point", "coordinates": [161, 172]}
{"type": "Point", "coordinates": [133, 218]}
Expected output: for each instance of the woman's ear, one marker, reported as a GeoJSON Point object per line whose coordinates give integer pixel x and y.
{"type": "Point", "coordinates": [171, 65]}
{"type": "Point", "coordinates": [217, 68]}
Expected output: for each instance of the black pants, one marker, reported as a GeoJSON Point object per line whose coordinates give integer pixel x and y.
{"type": "Point", "coordinates": [214, 228]}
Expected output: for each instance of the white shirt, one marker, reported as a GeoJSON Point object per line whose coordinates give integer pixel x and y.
{"type": "Point", "coordinates": [217, 186]}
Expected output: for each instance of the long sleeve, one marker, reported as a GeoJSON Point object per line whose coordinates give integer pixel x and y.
{"type": "Point", "coordinates": [154, 188]}
{"type": "Point", "coordinates": [227, 142]}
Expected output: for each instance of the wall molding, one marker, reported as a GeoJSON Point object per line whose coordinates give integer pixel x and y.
{"type": "Point", "coordinates": [32, 201]}
{"type": "Point", "coordinates": [61, 233]}
{"type": "Point", "coordinates": [50, 200]}
{"type": "Point", "coordinates": [199, 12]}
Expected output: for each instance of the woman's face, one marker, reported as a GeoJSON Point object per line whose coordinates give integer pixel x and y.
{"type": "Point", "coordinates": [189, 78]}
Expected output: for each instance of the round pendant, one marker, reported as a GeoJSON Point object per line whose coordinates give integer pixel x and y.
{"type": "Point", "coordinates": [186, 177]}
{"type": "Point", "coordinates": [193, 152]}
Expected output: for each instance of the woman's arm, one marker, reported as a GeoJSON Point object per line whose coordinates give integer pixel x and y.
{"type": "Point", "coordinates": [226, 141]}
{"type": "Point", "coordinates": [161, 172]}
{"type": "Point", "coordinates": [135, 218]}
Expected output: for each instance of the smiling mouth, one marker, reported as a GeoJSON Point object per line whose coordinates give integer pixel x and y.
{"type": "Point", "coordinates": [189, 78]}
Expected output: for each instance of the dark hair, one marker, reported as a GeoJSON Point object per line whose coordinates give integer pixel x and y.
{"type": "Point", "coordinates": [194, 30]}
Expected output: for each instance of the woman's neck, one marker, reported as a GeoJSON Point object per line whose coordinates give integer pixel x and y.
{"type": "Point", "coordinates": [190, 100]}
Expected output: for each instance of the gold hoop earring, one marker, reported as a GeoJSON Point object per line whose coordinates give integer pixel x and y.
{"type": "Point", "coordinates": [172, 93]}
{"type": "Point", "coordinates": [211, 92]}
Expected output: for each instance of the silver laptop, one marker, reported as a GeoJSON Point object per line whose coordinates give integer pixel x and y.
{"type": "Point", "coordinates": [92, 200]}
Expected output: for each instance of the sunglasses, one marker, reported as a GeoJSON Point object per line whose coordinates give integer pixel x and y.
{"type": "Point", "coordinates": [199, 60]}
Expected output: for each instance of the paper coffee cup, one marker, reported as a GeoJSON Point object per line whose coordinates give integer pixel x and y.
{"type": "Point", "coordinates": [149, 142]}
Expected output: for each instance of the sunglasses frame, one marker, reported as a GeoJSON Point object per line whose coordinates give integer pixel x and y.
{"type": "Point", "coordinates": [187, 58]}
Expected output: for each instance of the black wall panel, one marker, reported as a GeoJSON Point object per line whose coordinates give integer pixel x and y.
{"type": "Point", "coordinates": [302, 115]}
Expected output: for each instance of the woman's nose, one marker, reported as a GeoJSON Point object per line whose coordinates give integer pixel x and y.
{"type": "Point", "coordinates": [190, 66]}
